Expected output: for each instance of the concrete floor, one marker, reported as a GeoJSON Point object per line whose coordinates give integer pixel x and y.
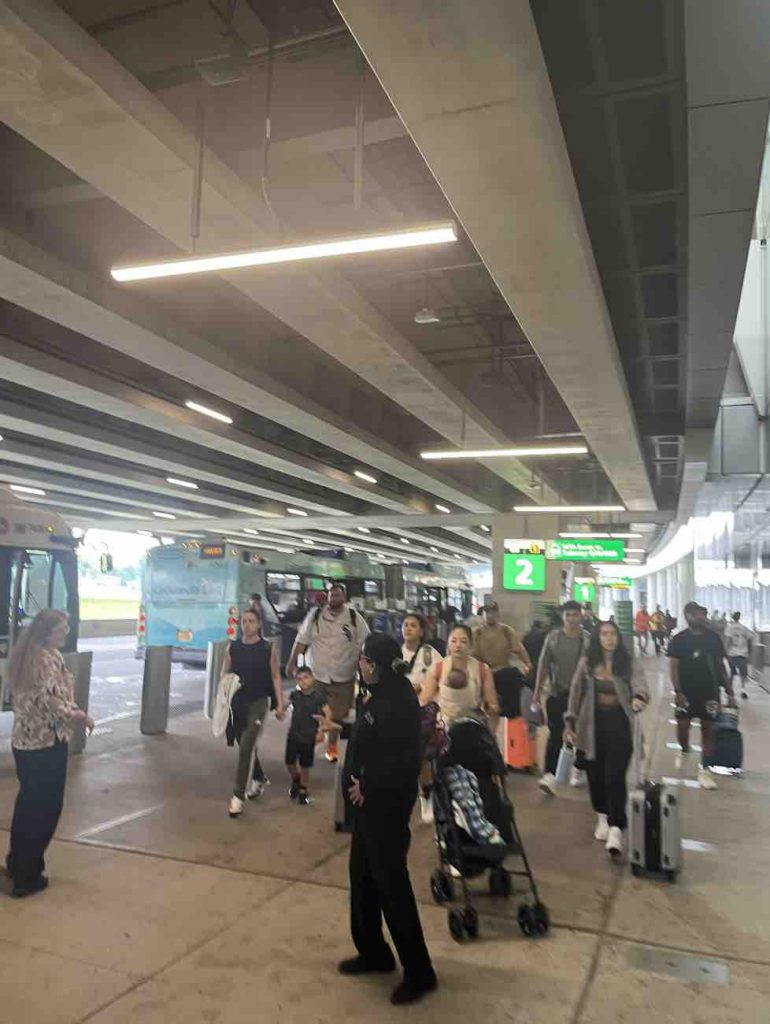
{"type": "Point", "coordinates": [161, 909]}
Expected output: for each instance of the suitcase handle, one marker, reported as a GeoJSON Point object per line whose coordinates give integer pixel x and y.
{"type": "Point", "coordinates": [638, 744]}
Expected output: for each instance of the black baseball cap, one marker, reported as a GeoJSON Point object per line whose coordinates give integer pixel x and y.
{"type": "Point", "coordinates": [692, 606]}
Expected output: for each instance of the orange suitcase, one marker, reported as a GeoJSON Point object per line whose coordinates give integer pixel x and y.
{"type": "Point", "coordinates": [520, 748]}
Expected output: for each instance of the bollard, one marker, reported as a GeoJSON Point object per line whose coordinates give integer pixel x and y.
{"type": "Point", "coordinates": [79, 664]}
{"type": "Point", "coordinates": [757, 660]}
{"type": "Point", "coordinates": [156, 688]}
{"type": "Point", "coordinates": [215, 655]}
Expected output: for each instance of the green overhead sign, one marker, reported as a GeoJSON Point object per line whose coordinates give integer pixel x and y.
{"type": "Point", "coordinates": [584, 591]}
{"type": "Point", "coordinates": [523, 571]}
{"type": "Point", "coordinates": [585, 550]}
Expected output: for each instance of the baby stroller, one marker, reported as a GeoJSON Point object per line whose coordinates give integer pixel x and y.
{"type": "Point", "coordinates": [461, 858]}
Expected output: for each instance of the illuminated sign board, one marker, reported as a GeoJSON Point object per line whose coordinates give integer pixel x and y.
{"type": "Point", "coordinates": [212, 551]}
{"type": "Point", "coordinates": [594, 550]}
{"type": "Point", "coordinates": [584, 589]}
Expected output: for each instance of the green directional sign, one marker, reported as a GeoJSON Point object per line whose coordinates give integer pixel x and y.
{"type": "Point", "coordinates": [584, 591]}
{"type": "Point", "coordinates": [523, 571]}
{"type": "Point", "coordinates": [585, 550]}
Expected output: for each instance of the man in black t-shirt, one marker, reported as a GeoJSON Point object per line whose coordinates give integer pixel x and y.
{"type": "Point", "coordinates": [697, 663]}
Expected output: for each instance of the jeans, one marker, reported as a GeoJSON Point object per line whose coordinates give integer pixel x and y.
{"type": "Point", "coordinates": [607, 772]}
{"type": "Point", "coordinates": [255, 723]}
{"type": "Point", "coordinates": [555, 707]}
{"type": "Point", "coordinates": [380, 886]}
{"type": "Point", "coordinates": [42, 776]}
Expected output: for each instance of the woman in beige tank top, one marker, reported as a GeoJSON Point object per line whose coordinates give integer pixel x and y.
{"type": "Point", "coordinates": [462, 685]}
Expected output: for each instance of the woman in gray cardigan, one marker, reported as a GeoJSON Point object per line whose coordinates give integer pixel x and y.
{"type": "Point", "coordinates": [606, 692]}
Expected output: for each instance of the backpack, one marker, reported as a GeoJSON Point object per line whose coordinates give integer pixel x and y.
{"type": "Point", "coordinates": [351, 611]}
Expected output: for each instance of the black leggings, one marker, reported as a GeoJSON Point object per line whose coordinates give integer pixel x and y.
{"type": "Point", "coordinates": [555, 707]}
{"type": "Point", "coordinates": [42, 776]}
{"type": "Point", "coordinates": [607, 772]}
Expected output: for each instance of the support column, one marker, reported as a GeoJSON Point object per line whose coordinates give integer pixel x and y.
{"type": "Point", "coordinates": [517, 608]}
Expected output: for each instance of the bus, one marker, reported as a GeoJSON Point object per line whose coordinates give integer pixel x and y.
{"type": "Point", "coordinates": [38, 569]}
{"type": "Point", "coordinates": [194, 591]}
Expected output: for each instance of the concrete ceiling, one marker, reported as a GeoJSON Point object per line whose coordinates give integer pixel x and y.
{"type": "Point", "coordinates": [323, 372]}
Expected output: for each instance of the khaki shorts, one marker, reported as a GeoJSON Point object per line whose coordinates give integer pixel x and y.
{"type": "Point", "coordinates": [340, 697]}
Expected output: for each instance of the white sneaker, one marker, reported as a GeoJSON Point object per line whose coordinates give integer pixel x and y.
{"type": "Point", "coordinates": [426, 809]}
{"type": "Point", "coordinates": [705, 779]}
{"type": "Point", "coordinates": [615, 841]}
{"type": "Point", "coordinates": [255, 789]}
{"type": "Point", "coordinates": [577, 778]}
{"type": "Point", "coordinates": [548, 783]}
{"type": "Point", "coordinates": [236, 807]}
{"type": "Point", "coordinates": [681, 760]}
{"type": "Point", "coordinates": [602, 828]}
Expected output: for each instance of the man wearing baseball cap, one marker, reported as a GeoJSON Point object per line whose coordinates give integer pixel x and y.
{"type": "Point", "coordinates": [697, 665]}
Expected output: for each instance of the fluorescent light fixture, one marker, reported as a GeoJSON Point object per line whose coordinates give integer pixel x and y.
{"type": "Point", "coordinates": [163, 515]}
{"type": "Point", "coordinates": [633, 561]}
{"type": "Point", "coordinates": [144, 533]}
{"type": "Point", "coordinates": [363, 529]}
{"type": "Point", "coordinates": [182, 483]}
{"type": "Point", "coordinates": [636, 551]}
{"type": "Point", "coordinates": [286, 551]}
{"type": "Point", "coordinates": [559, 509]}
{"type": "Point", "coordinates": [21, 489]}
{"type": "Point", "coordinates": [404, 541]}
{"type": "Point", "coordinates": [426, 234]}
{"type": "Point", "coordinates": [594, 536]}
{"type": "Point", "coordinates": [486, 529]}
{"type": "Point", "coordinates": [531, 451]}
{"type": "Point", "coordinates": [204, 409]}
{"type": "Point", "coordinates": [296, 512]}
{"type": "Point", "coordinates": [310, 540]}
{"type": "Point", "coordinates": [436, 550]}
{"type": "Point", "coordinates": [253, 533]}
{"type": "Point", "coordinates": [365, 476]}
{"type": "Point", "coordinates": [442, 508]}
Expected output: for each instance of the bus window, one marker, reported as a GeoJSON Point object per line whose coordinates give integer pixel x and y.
{"type": "Point", "coordinates": [283, 591]}
{"type": "Point", "coordinates": [59, 591]}
{"type": "Point", "coordinates": [9, 562]}
{"type": "Point", "coordinates": [36, 575]}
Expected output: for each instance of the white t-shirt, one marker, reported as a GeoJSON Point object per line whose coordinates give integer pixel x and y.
{"type": "Point", "coordinates": [427, 657]}
{"type": "Point", "coordinates": [737, 638]}
{"type": "Point", "coordinates": [333, 643]}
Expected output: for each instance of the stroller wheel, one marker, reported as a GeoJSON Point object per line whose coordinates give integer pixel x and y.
{"type": "Point", "coordinates": [527, 922]}
{"type": "Point", "coordinates": [500, 882]}
{"type": "Point", "coordinates": [441, 887]}
{"type": "Point", "coordinates": [542, 918]}
{"type": "Point", "coordinates": [456, 925]}
{"type": "Point", "coordinates": [471, 922]}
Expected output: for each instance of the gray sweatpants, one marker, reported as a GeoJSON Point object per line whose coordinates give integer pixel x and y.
{"type": "Point", "coordinates": [248, 760]}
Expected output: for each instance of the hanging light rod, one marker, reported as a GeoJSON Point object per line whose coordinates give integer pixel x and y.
{"type": "Point", "coordinates": [614, 535]}
{"type": "Point", "coordinates": [495, 453]}
{"type": "Point", "coordinates": [426, 234]}
{"type": "Point", "coordinates": [569, 508]}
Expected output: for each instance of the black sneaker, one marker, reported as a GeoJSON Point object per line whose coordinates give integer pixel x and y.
{"type": "Point", "coordinates": [360, 965]}
{"type": "Point", "coordinates": [293, 791]}
{"type": "Point", "coordinates": [304, 798]}
{"type": "Point", "coordinates": [20, 891]}
{"type": "Point", "coordinates": [410, 991]}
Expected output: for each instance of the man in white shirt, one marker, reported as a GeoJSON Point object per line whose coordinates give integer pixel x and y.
{"type": "Point", "coordinates": [738, 640]}
{"type": "Point", "coordinates": [331, 638]}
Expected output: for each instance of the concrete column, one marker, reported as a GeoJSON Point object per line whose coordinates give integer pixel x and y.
{"type": "Point", "coordinates": [685, 570]}
{"type": "Point", "coordinates": [517, 607]}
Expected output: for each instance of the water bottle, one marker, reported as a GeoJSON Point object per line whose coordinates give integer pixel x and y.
{"type": "Point", "coordinates": [565, 764]}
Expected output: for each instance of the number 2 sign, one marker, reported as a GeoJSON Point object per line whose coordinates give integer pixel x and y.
{"type": "Point", "coordinates": [523, 572]}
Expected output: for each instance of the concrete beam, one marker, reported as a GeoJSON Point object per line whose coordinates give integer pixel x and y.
{"type": "Point", "coordinates": [470, 83]}
{"type": "Point", "coordinates": [68, 96]}
{"type": "Point", "coordinates": [44, 284]}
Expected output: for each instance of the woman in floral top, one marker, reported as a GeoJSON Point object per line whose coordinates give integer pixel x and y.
{"type": "Point", "coordinates": [45, 715]}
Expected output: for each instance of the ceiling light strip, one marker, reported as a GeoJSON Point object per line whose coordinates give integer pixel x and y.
{"type": "Point", "coordinates": [530, 451]}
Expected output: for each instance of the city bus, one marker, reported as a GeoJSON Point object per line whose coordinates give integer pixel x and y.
{"type": "Point", "coordinates": [38, 569]}
{"type": "Point", "coordinates": [194, 591]}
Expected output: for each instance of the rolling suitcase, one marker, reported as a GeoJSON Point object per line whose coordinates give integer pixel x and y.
{"type": "Point", "coordinates": [728, 742]}
{"type": "Point", "coordinates": [520, 748]}
{"type": "Point", "coordinates": [654, 826]}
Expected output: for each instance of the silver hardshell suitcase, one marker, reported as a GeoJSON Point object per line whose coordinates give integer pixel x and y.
{"type": "Point", "coordinates": [654, 824]}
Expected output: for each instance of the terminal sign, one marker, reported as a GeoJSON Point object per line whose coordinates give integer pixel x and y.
{"type": "Point", "coordinates": [586, 550]}
{"type": "Point", "coordinates": [523, 571]}
{"type": "Point", "coordinates": [584, 590]}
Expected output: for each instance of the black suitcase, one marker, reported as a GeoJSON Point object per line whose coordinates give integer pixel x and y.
{"type": "Point", "coordinates": [728, 742]}
{"type": "Point", "coordinates": [654, 827]}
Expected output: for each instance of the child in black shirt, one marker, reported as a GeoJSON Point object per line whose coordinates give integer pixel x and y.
{"type": "Point", "coordinates": [309, 710]}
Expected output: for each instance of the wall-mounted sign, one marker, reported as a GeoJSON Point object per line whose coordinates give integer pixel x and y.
{"type": "Point", "coordinates": [618, 583]}
{"type": "Point", "coordinates": [584, 589]}
{"type": "Point", "coordinates": [523, 571]}
{"type": "Point", "coordinates": [524, 546]}
{"type": "Point", "coordinates": [212, 551]}
{"type": "Point", "coordinates": [586, 550]}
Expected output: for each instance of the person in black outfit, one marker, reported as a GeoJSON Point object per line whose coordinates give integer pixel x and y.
{"type": "Point", "coordinates": [255, 661]}
{"type": "Point", "coordinates": [534, 639]}
{"type": "Point", "coordinates": [383, 766]}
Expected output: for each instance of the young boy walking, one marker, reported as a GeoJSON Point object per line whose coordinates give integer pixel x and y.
{"type": "Point", "coordinates": [309, 710]}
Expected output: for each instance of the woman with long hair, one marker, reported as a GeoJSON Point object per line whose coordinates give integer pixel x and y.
{"type": "Point", "coordinates": [382, 767]}
{"type": "Point", "coordinates": [420, 657]}
{"type": "Point", "coordinates": [44, 718]}
{"type": "Point", "coordinates": [463, 686]}
{"type": "Point", "coordinates": [255, 661]}
{"type": "Point", "coordinates": [606, 692]}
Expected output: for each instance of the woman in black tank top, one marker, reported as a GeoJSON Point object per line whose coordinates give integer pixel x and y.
{"type": "Point", "coordinates": [255, 662]}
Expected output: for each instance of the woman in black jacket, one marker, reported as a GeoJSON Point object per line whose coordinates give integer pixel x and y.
{"type": "Point", "coordinates": [383, 765]}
